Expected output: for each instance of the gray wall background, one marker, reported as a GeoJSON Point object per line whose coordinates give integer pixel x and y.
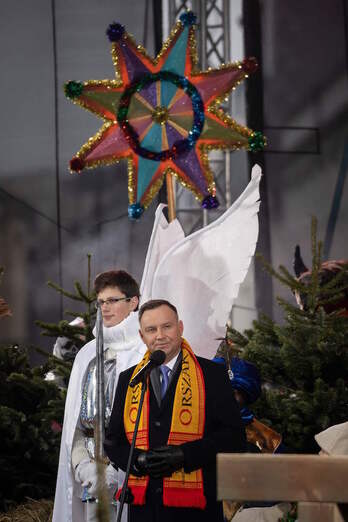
{"type": "Point", "coordinates": [304, 65]}
{"type": "Point", "coordinates": [41, 130]}
{"type": "Point", "coordinates": [304, 68]}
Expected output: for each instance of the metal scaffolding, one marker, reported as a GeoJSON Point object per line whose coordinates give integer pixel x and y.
{"type": "Point", "coordinates": [214, 49]}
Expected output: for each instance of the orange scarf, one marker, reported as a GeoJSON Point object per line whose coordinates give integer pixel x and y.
{"type": "Point", "coordinates": [180, 489]}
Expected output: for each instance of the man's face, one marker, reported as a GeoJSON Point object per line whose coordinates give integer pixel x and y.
{"type": "Point", "coordinates": [160, 329]}
{"type": "Point", "coordinates": [114, 312]}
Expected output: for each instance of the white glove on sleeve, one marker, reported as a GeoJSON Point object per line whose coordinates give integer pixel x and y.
{"type": "Point", "coordinates": [86, 474]}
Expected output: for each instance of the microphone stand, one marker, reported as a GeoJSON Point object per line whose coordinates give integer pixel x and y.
{"type": "Point", "coordinates": [131, 451]}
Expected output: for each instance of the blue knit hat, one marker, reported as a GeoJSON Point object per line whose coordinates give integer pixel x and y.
{"type": "Point", "coordinates": [245, 377]}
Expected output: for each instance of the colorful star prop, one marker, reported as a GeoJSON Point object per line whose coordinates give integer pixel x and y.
{"type": "Point", "coordinates": [162, 115]}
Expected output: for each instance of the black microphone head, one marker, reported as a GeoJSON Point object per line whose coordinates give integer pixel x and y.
{"type": "Point", "coordinates": [158, 357]}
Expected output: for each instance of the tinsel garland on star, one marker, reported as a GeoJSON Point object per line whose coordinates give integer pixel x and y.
{"type": "Point", "coordinates": [162, 115]}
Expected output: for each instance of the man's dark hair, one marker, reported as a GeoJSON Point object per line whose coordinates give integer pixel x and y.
{"type": "Point", "coordinates": [156, 303]}
{"type": "Point", "coordinates": [120, 278]}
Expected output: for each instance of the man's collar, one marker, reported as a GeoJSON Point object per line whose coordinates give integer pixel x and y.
{"type": "Point", "coordinates": [172, 362]}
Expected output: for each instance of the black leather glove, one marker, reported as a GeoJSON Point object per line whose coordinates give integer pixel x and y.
{"type": "Point", "coordinates": [165, 460]}
{"type": "Point", "coordinates": [141, 463]}
{"type": "Point", "coordinates": [159, 462]}
{"type": "Point", "coordinates": [136, 467]}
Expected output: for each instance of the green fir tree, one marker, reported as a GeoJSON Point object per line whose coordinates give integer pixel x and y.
{"type": "Point", "coordinates": [29, 432]}
{"type": "Point", "coordinates": [304, 361]}
{"type": "Point", "coordinates": [32, 407]}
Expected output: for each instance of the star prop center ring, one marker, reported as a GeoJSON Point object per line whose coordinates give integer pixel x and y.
{"type": "Point", "coordinates": [160, 115]}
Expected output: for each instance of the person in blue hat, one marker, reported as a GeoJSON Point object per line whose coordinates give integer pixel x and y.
{"type": "Point", "coordinates": [246, 382]}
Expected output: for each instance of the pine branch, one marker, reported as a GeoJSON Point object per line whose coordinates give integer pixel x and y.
{"type": "Point", "coordinates": [70, 295]}
{"type": "Point", "coordinates": [269, 268]}
{"type": "Point", "coordinates": [84, 297]}
{"type": "Point", "coordinates": [69, 329]}
{"type": "Point", "coordinates": [291, 281]}
{"type": "Point", "coordinates": [333, 299]}
{"type": "Point", "coordinates": [332, 291]}
{"type": "Point", "coordinates": [291, 309]}
{"type": "Point", "coordinates": [283, 275]}
{"type": "Point", "coordinates": [39, 350]}
{"type": "Point", "coordinates": [73, 314]}
{"type": "Point", "coordinates": [314, 282]}
{"type": "Point", "coordinates": [52, 329]}
{"type": "Point", "coordinates": [60, 362]}
{"type": "Point", "coordinates": [236, 337]}
{"type": "Point", "coordinates": [336, 280]}
{"type": "Point", "coordinates": [316, 246]}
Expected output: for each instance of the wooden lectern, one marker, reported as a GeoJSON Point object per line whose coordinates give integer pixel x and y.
{"type": "Point", "coordinates": [318, 483]}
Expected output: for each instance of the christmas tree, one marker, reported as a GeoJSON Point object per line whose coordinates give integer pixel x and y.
{"type": "Point", "coordinates": [28, 429]}
{"type": "Point", "coordinates": [32, 405]}
{"type": "Point", "coordinates": [29, 442]}
{"type": "Point", "coordinates": [304, 361]}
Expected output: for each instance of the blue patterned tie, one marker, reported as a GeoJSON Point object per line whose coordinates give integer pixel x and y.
{"type": "Point", "coordinates": [165, 378]}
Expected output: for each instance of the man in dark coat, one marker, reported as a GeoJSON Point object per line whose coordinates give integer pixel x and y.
{"type": "Point", "coordinates": [189, 415]}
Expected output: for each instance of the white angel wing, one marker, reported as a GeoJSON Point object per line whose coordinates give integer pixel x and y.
{"type": "Point", "coordinates": [164, 235]}
{"type": "Point", "coordinates": [201, 273]}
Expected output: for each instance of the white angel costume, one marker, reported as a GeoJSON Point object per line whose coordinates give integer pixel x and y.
{"type": "Point", "coordinates": [201, 273]}
{"type": "Point", "coordinates": [122, 345]}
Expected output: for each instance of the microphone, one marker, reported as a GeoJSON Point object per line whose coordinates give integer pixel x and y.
{"type": "Point", "coordinates": [156, 359]}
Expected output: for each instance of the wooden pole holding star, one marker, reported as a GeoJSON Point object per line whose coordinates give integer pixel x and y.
{"type": "Point", "coordinates": [170, 198]}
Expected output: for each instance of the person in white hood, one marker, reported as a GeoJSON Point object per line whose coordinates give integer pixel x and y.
{"type": "Point", "coordinates": [75, 499]}
{"type": "Point", "coordinates": [333, 440]}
